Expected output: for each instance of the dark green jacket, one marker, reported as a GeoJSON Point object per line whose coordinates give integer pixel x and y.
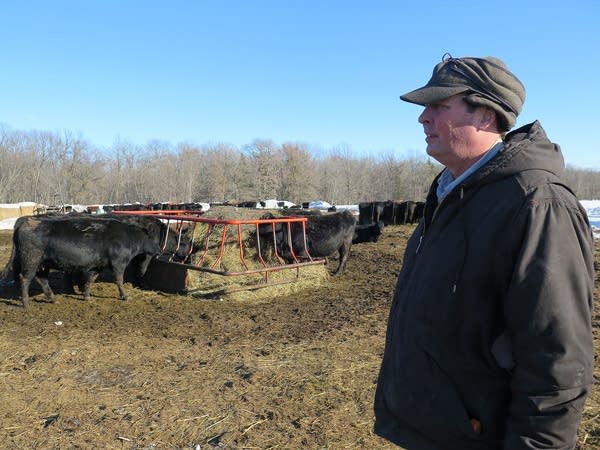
{"type": "Point", "coordinates": [491, 317]}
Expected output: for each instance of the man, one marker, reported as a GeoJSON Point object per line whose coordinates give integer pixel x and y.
{"type": "Point", "coordinates": [489, 341]}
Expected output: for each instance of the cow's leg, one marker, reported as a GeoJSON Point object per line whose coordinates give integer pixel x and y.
{"type": "Point", "coordinates": [119, 282]}
{"type": "Point", "coordinates": [344, 251]}
{"type": "Point", "coordinates": [42, 278]}
{"type": "Point", "coordinates": [141, 267]}
{"type": "Point", "coordinates": [25, 281]}
{"type": "Point", "coordinates": [26, 270]}
{"type": "Point", "coordinates": [119, 265]}
{"type": "Point", "coordinates": [43, 281]}
{"type": "Point", "coordinates": [89, 277]}
{"type": "Point", "coordinates": [144, 266]}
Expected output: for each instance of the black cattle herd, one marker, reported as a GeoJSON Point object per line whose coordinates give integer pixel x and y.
{"type": "Point", "coordinates": [83, 245]}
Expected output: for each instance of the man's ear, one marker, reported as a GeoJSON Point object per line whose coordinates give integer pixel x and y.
{"type": "Point", "coordinates": [488, 119]}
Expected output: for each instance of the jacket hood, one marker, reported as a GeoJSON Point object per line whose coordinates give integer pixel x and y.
{"type": "Point", "coordinates": [526, 148]}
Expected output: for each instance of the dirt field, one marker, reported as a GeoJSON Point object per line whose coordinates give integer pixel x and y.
{"type": "Point", "coordinates": [163, 371]}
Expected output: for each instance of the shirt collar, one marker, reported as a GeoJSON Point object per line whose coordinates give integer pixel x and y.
{"type": "Point", "coordinates": [447, 182]}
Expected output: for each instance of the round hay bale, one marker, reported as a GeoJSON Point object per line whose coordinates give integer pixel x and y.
{"type": "Point", "coordinates": [221, 252]}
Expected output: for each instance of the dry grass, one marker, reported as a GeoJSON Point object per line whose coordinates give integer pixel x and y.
{"type": "Point", "coordinates": [163, 371]}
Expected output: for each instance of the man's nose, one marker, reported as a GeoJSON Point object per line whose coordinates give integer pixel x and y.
{"type": "Point", "coordinates": [424, 116]}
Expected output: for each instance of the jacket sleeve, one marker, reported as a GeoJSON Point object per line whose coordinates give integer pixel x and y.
{"type": "Point", "coordinates": [548, 309]}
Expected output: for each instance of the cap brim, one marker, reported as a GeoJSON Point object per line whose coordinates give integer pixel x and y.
{"type": "Point", "coordinates": [432, 94]}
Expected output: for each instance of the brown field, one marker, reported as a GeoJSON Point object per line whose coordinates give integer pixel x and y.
{"type": "Point", "coordinates": [164, 371]}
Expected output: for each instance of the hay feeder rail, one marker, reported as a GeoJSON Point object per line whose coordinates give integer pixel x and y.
{"type": "Point", "coordinates": [221, 232]}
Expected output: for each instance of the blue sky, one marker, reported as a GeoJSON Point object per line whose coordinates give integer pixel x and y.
{"type": "Point", "coordinates": [325, 73]}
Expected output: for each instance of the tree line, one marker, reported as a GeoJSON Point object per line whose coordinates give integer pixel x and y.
{"type": "Point", "coordinates": [63, 168]}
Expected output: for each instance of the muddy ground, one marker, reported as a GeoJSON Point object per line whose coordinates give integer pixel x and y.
{"type": "Point", "coordinates": [164, 371]}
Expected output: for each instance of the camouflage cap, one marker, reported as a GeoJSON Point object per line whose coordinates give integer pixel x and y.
{"type": "Point", "coordinates": [487, 82]}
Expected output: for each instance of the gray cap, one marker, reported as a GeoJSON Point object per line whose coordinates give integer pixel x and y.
{"type": "Point", "coordinates": [487, 82]}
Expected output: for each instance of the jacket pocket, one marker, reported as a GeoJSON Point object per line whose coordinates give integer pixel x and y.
{"type": "Point", "coordinates": [422, 396]}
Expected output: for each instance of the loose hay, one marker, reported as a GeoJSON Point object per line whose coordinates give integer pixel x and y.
{"type": "Point", "coordinates": [163, 371]}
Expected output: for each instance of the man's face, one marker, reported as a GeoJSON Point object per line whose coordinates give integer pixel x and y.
{"type": "Point", "coordinates": [450, 130]}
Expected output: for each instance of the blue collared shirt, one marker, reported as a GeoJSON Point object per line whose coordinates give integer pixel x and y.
{"type": "Point", "coordinates": [447, 182]}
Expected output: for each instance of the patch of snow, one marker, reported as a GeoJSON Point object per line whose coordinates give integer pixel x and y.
{"type": "Point", "coordinates": [593, 212]}
{"type": "Point", "coordinates": [8, 224]}
{"type": "Point", "coordinates": [17, 205]}
{"type": "Point", "coordinates": [353, 208]}
{"type": "Point", "coordinates": [319, 204]}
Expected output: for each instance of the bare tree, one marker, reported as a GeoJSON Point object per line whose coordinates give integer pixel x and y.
{"type": "Point", "coordinates": [297, 173]}
{"type": "Point", "coordinates": [245, 185]}
{"type": "Point", "coordinates": [74, 174]}
{"type": "Point", "coordinates": [119, 166]}
{"type": "Point", "coordinates": [47, 167]}
{"type": "Point", "coordinates": [218, 173]}
{"type": "Point", "coordinates": [187, 169]}
{"type": "Point", "coordinates": [158, 174]}
{"type": "Point", "coordinates": [128, 174]}
{"type": "Point", "coordinates": [341, 176]}
{"type": "Point", "coordinates": [263, 156]}
{"type": "Point", "coordinates": [11, 165]}
{"type": "Point", "coordinates": [585, 182]}
{"type": "Point", "coordinates": [39, 148]}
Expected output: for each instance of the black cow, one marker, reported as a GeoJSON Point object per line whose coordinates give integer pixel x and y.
{"type": "Point", "coordinates": [370, 212]}
{"type": "Point", "coordinates": [83, 247]}
{"type": "Point", "coordinates": [368, 233]}
{"type": "Point", "coordinates": [325, 234]}
{"type": "Point", "coordinates": [410, 211]}
{"type": "Point", "coordinates": [177, 244]}
{"type": "Point", "coordinates": [398, 213]}
{"type": "Point", "coordinates": [394, 213]}
{"type": "Point", "coordinates": [247, 204]}
{"type": "Point", "coordinates": [418, 212]}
